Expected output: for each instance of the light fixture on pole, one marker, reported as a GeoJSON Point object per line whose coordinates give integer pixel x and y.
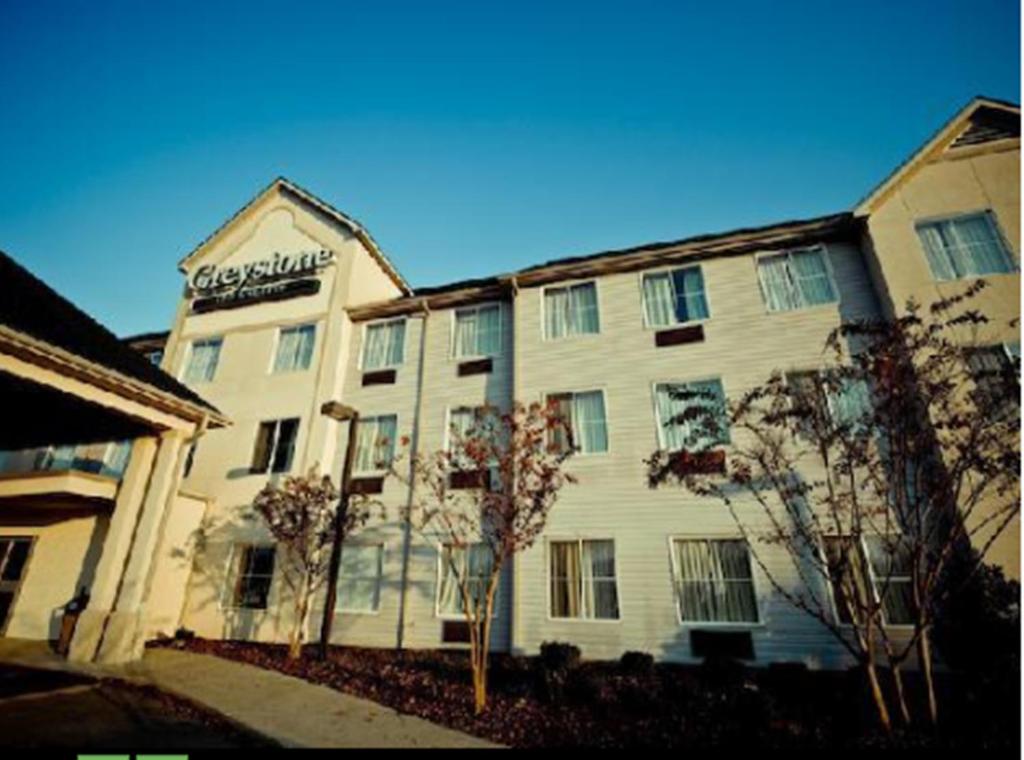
{"type": "Point", "coordinates": [342, 413]}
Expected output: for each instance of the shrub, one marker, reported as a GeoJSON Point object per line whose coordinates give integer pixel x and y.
{"type": "Point", "coordinates": [559, 656]}
{"type": "Point", "coordinates": [557, 662]}
{"type": "Point", "coordinates": [637, 663]}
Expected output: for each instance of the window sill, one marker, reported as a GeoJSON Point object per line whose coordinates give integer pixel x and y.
{"type": "Point", "coordinates": [362, 613]}
{"type": "Point", "coordinates": [601, 621]}
{"type": "Point", "coordinates": [831, 306]}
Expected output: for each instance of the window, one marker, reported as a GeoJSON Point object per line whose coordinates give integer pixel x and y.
{"type": "Point", "coordinates": [965, 246]}
{"type": "Point", "coordinates": [155, 357]}
{"type": "Point", "coordinates": [294, 348]}
{"type": "Point", "coordinates": [375, 443]}
{"type": "Point", "coordinates": [252, 573]}
{"type": "Point", "coordinates": [885, 577]}
{"type": "Point", "coordinates": [571, 310]}
{"type": "Point", "coordinates": [202, 360]}
{"type": "Point", "coordinates": [710, 428]}
{"type": "Point", "coordinates": [470, 563]}
{"type": "Point", "coordinates": [795, 279]}
{"type": "Point", "coordinates": [462, 421]}
{"type": "Point", "coordinates": [675, 297]}
{"type": "Point", "coordinates": [890, 569]}
{"type": "Point", "coordinates": [585, 415]}
{"type": "Point", "coordinates": [478, 331]}
{"type": "Point", "coordinates": [384, 345]}
{"type": "Point", "coordinates": [714, 583]}
{"type": "Point", "coordinates": [583, 580]}
{"type": "Point", "coordinates": [990, 367]}
{"type": "Point", "coordinates": [359, 577]}
{"type": "Point", "coordinates": [847, 399]}
{"type": "Point", "coordinates": [275, 445]}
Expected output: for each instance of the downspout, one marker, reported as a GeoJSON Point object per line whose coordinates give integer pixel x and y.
{"type": "Point", "coordinates": [514, 636]}
{"type": "Point", "coordinates": [414, 445]}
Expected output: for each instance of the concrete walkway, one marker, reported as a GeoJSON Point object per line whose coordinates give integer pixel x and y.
{"type": "Point", "coordinates": [294, 712]}
{"type": "Point", "coordinates": [288, 710]}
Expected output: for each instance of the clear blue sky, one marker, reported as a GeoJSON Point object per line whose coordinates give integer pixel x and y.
{"type": "Point", "coordinates": [470, 137]}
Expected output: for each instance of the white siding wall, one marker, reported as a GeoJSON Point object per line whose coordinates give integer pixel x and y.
{"type": "Point", "coordinates": [743, 344]}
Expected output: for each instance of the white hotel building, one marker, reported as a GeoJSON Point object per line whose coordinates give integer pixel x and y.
{"type": "Point", "coordinates": [291, 304]}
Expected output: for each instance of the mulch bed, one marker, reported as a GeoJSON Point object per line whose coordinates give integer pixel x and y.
{"type": "Point", "coordinates": [600, 704]}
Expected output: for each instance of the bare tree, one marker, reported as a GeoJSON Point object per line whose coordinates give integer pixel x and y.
{"type": "Point", "coordinates": [483, 499]}
{"type": "Point", "coordinates": [299, 513]}
{"type": "Point", "coordinates": [871, 476]}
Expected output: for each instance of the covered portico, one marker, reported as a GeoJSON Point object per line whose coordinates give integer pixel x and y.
{"type": "Point", "coordinates": [93, 445]}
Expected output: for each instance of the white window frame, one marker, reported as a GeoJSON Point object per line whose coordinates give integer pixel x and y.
{"type": "Point", "coordinates": [275, 439]}
{"type": "Point", "coordinates": [394, 444]}
{"type": "Point", "coordinates": [607, 417]}
{"type": "Point", "coordinates": [461, 616]}
{"type": "Point", "coordinates": [660, 431]}
{"type": "Point", "coordinates": [383, 553]}
{"type": "Point", "coordinates": [362, 346]}
{"type": "Point", "coordinates": [675, 573]}
{"type": "Point", "coordinates": [866, 559]}
{"type": "Point", "coordinates": [231, 576]}
{"type": "Point", "coordinates": [671, 268]}
{"type": "Point", "coordinates": [277, 345]}
{"type": "Point", "coordinates": [565, 285]}
{"type": "Point", "coordinates": [188, 357]}
{"type": "Point", "coordinates": [787, 252]}
{"type": "Point", "coordinates": [577, 539]}
{"type": "Point", "coordinates": [993, 221]}
{"type": "Point", "coordinates": [453, 326]}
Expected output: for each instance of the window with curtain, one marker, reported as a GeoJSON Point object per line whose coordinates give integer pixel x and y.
{"type": "Point", "coordinates": [478, 331]}
{"type": "Point", "coordinates": [890, 565]}
{"type": "Point", "coordinates": [462, 421]}
{"type": "Point", "coordinates": [582, 576]}
{"type": "Point", "coordinates": [275, 446]}
{"type": "Point", "coordinates": [964, 246]}
{"type": "Point", "coordinates": [359, 577]}
{"type": "Point", "coordinates": [470, 563]}
{"type": "Point", "coordinates": [988, 366]}
{"type": "Point", "coordinates": [571, 310]}
{"type": "Point", "coordinates": [375, 443]}
{"type": "Point", "coordinates": [585, 414]}
{"type": "Point", "coordinates": [384, 345]}
{"type": "Point", "coordinates": [714, 582]}
{"type": "Point", "coordinates": [709, 428]}
{"type": "Point", "coordinates": [202, 360]}
{"type": "Point", "coordinates": [847, 400]}
{"type": "Point", "coordinates": [294, 348]}
{"type": "Point", "coordinates": [674, 297]}
{"type": "Point", "coordinates": [795, 279]}
{"type": "Point", "coordinates": [251, 576]}
{"type": "Point", "coordinates": [879, 570]}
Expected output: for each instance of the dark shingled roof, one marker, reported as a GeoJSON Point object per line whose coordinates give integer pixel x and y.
{"type": "Point", "coordinates": [30, 306]}
{"type": "Point", "coordinates": [837, 221]}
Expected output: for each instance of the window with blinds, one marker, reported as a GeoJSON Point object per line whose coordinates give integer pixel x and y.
{"type": "Point", "coordinates": [294, 348]}
{"type": "Point", "coordinates": [203, 358]}
{"type": "Point", "coordinates": [571, 310]}
{"type": "Point", "coordinates": [796, 279]}
{"type": "Point", "coordinates": [964, 246]}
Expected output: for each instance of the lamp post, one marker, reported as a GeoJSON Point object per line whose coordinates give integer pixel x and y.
{"type": "Point", "coordinates": [341, 413]}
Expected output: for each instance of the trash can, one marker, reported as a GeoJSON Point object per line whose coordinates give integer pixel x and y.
{"type": "Point", "coordinates": [67, 623]}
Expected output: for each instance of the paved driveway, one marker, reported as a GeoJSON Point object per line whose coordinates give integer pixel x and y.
{"type": "Point", "coordinates": [47, 708]}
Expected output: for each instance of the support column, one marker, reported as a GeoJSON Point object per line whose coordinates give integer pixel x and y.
{"type": "Point", "coordinates": [123, 638]}
{"type": "Point", "coordinates": [110, 567]}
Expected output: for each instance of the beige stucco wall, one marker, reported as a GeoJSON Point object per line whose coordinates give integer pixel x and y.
{"type": "Point", "coordinates": [964, 180]}
{"type": "Point", "coordinates": [172, 565]}
{"type": "Point", "coordinates": [64, 556]}
{"type": "Point", "coordinates": [247, 391]}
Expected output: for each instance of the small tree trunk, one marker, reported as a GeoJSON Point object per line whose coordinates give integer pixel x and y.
{"type": "Point", "coordinates": [299, 626]}
{"type": "Point", "coordinates": [877, 695]}
{"type": "Point", "coordinates": [897, 680]}
{"type": "Point", "coordinates": [924, 654]}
